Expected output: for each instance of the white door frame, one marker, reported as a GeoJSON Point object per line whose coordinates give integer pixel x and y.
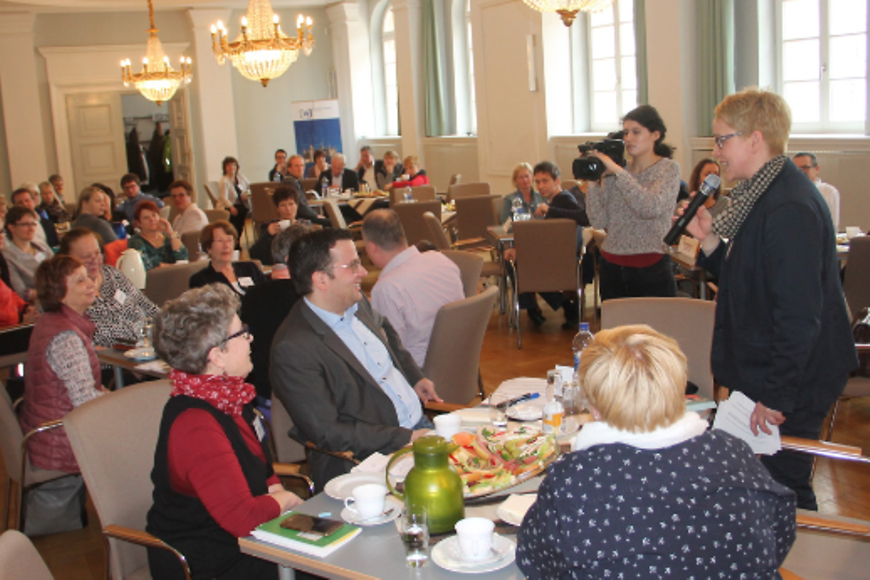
{"type": "Point", "coordinates": [87, 69]}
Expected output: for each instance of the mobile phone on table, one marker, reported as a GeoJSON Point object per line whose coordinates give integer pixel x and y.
{"type": "Point", "coordinates": [311, 524]}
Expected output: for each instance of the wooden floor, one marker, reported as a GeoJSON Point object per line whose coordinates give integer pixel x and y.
{"type": "Point", "coordinates": [842, 488]}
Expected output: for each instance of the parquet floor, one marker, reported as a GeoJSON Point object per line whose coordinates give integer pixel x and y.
{"type": "Point", "coordinates": [842, 488]}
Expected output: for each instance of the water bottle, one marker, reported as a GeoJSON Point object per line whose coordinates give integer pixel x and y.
{"type": "Point", "coordinates": [409, 197]}
{"type": "Point", "coordinates": [581, 340]}
{"type": "Point", "coordinates": [278, 177]}
{"type": "Point", "coordinates": [574, 398]}
{"type": "Point", "coordinates": [553, 412]}
{"type": "Point", "coordinates": [324, 190]}
{"type": "Point", "coordinates": [516, 208]}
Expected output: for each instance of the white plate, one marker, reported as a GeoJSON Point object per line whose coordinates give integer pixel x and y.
{"type": "Point", "coordinates": [341, 487]}
{"type": "Point", "coordinates": [391, 503]}
{"type": "Point", "coordinates": [526, 412]}
{"type": "Point", "coordinates": [141, 354]}
{"type": "Point", "coordinates": [447, 555]}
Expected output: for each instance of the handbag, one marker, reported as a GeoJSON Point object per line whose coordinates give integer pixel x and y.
{"type": "Point", "coordinates": [55, 506]}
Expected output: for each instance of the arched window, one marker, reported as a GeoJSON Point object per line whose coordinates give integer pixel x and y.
{"type": "Point", "coordinates": [391, 83]}
{"type": "Point", "coordinates": [612, 68]}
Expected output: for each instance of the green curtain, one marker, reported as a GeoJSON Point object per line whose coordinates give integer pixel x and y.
{"type": "Point", "coordinates": [640, 52]}
{"type": "Point", "coordinates": [716, 47]}
{"type": "Point", "coordinates": [435, 82]}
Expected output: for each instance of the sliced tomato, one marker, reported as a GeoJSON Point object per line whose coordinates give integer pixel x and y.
{"type": "Point", "coordinates": [463, 438]}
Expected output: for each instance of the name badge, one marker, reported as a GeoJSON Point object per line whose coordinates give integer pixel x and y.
{"type": "Point", "coordinates": [39, 256]}
{"type": "Point", "coordinates": [120, 297]}
{"type": "Point", "coordinates": [258, 429]}
{"type": "Point", "coordinates": [246, 281]}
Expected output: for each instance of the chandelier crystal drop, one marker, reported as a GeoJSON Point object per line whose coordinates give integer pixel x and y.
{"type": "Point", "coordinates": [261, 51]}
{"type": "Point", "coordinates": [158, 81]}
{"type": "Point", "coordinates": [568, 9]}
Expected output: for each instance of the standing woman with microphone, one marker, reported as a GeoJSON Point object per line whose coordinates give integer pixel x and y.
{"type": "Point", "coordinates": [635, 205]}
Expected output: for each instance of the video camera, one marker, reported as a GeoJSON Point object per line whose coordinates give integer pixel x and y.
{"type": "Point", "coordinates": [591, 168]}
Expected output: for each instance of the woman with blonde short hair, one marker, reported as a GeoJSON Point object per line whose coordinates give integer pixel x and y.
{"type": "Point", "coordinates": [647, 486]}
{"type": "Point", "coordinates": [523, 180]}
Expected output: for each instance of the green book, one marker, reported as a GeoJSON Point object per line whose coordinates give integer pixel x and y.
{"type": "Point", "coordinates": [321, 546]}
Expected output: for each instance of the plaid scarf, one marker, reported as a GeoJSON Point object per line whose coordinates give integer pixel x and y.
{"type": "Point", "coordinates": [744, 196]}
{"type": "Point", "coordinates": [227, 394]}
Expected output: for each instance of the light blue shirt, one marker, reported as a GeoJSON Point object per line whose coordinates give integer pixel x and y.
{"type": "Point", "coordinates": [371, 352]}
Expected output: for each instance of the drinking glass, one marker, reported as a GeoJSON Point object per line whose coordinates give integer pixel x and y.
{"type": "Point", "coordinates": [145, 332]}
{"type": "Point", "coordinates": [498, 411]}
{"type": "Point", "coordinates": [415, 537]}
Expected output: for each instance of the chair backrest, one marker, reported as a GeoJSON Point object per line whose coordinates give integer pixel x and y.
{"type": "Point", "coordinates": [686, 320]}
{"type": "Point", "coordinates": [453, 358]}
{"type": "Point", "coordinates": [334, 214]}
{"type": "Point", "coordinates": [475, 214]}
{"type": "Point", "coordinates": [568, 183]}
{"type": "Point", "coordinates": [411, 216]}
{"type": "Point", "coordinates": [309, 184]}
{"type": "Point", "coordinates": [19, 559]}
{"type": "Point", "coordinates": [546, 255]}
{"type": "Point", "coordinates": [10, 437]}
{"type": "Point", "coordinates": [856, 285]}
{"type": "Point", "coordinates": [173, 212]}
{"type": "Point", "coordinates": [216, 215]}
{"type": "Point", "coordinates": [114, 438]}
{"type": "Point", "coordinates": [437, 235]}
{"type": "Point", "coordinates": [212, 190]}
{"type": "Point", "coordinates": [287, 450]}
{"type": "Point", "coordinates": [468, 190]}
{"type": "Point", "coordinates": [262, 208]}
{"type": "Point", "coordinates": [191, 242]}
{"type": "Point", "coordinates": [170, 281]}
{"type": "Point", "coordinates": [419, 193]}
{"type": "Point", "coordinates": [470, 268]}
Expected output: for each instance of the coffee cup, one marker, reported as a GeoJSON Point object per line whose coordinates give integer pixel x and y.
{"type": "Point", "coordinates": [284, 224]}
{"type": "Point", "coordinates": [447, 425]}
{"type": "Point", "coordinates": [367, 501]}
{"type": "Point", "coordinates": [852, 231]}
{"type": "Point", "coordinates": [475, 538]}
{"type": "Point", "coordinates": [235, 255]}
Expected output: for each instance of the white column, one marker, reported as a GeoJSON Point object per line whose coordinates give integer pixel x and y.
{"type": "Point", "coordinates": [350, 54]}
{"type": "Point", "coordinates": [25, 140]}
{"type": "Point", "coordinates": [409, 66]}
{"type": "Point", "coordinates": [212, 95]}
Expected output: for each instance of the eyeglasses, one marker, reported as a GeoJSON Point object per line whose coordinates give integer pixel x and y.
{"type": "Point", "coordinates": [26, 224]}
{"type": "Point", "coordinates": [353, 266]}
{"type": "Point", "coordinates": [720, 140]}
{"type": "Point", "coordinates": [244, 332]}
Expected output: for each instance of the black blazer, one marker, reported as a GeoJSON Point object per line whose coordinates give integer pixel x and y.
{"type": "Point", "coordinates": [332, 399]}
{"type": "Point", "coordinates": [209, 275]}
{"type": "Point", "coordinates": [349, 179]}
{"type": "Point", "coordinates": [782, 333]}
{"type": "Point", "coordinates": [565, 205]}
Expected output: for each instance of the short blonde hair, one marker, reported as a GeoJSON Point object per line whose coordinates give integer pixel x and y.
{"type": "Point", "coordinates": [411, 160]}
{"type": "Point", "coordinates": [518, 168]}
{"type": "Point", "coordinates": [391, 154]}
{"type": "Point", "coordinates": [755, 109]}
{"type": "Point", "coordinates": [635, 377]}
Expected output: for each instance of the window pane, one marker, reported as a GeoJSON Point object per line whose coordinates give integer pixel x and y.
{"type": "Point", "coordinates": [626, 10]}
{"type": "Point", "coordinates": [389, 26]}
{"type": "Point", "coordinates": [847, 100]}
{"type": "Point", "coordinates": [800, 19]}
{"type": "Point", "coordinates": [629, 73]}
{"type": "Point", "coordinates": [604, 74]}
{"type": "Point", "coordinates": [604, 111]}
{"type": "Point", "coordinates": [626, 39]}
{"type": "Point", "coordinates": [390, 75]}
{"type": "Point", "coordinates": [629, 101]}
{"type": "Point", "coordinates": [800, 60]}
{"type": "Point", "coordinates": [848, 56]}
{"type": "Point", "coordinates": [603, 42]}
{"type": "Point", "coordinates": [392, 111]}
{"type": "Point", "coordinates": [601, 18]}
{"type": "Point", "coordinates": [390, 51]}
{"type": "Point", "coordinates": [847, 16]}
{"type": "Point", "coordinates": [803, 98]}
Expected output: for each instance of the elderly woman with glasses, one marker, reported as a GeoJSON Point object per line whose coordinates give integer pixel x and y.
{"type": "Point", "coordinates": [213, 477]}
{"type": "Point", "coordinates": [24, 253]}
{"type": "Point", "coordinates": [218, 240]}
{"type": "Point", "coordinates": [647, 487]}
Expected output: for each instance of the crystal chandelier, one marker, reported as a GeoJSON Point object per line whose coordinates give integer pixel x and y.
{"type": "Point", "coordinates": [262, 51]}
{"type": "Point", "coordinates": [158, 81]}
{"type": "Point", "coordinates": [568, 9]}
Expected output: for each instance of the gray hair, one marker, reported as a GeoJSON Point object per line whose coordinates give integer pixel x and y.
{"type": "Point", "coordinates": [284, 241]}
{"type": "Point", "coordinates": [31, 187]}
{"type": "Point", "coordinates": [187, 328]}
{"type": "Point", "coordinates": [812, 157]}
{"type": "Point", "coordinates": [338, 156]}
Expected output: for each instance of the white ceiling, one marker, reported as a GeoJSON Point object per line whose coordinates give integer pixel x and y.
{"type": "Point", "coordinates": [127, 5]}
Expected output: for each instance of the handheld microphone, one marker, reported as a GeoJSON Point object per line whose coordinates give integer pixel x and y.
{"type": "Point", "coordinates": [707, 188]}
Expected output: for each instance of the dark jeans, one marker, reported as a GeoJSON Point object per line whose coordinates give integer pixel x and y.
{"type": "Point", "coordinates": [553, 299]}
{"type": "Point", "coordinates": [626, 282]}
{"type": "Point", "coordinates": [238, 220]}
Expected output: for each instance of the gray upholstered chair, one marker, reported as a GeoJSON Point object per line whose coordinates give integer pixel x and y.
{"type": "Point", "coordinates": [856, 284]}
{"type": "Point", "coordinates": [170, 281]}
{"type": "Point", "coordinates": [19, 559]}
{"type": "Point", "coordinates": [217, 215]}
{"type": "Point", "coordinates": [191, 242]}
{"type": "Point", "coordinates": [419, 193]}
{"type": "Point", "coordinates": [458, 190]}
{"type": "Point", "coordinates": [411, 216]}
{"type": "Point", "coordinates": [470, 268]}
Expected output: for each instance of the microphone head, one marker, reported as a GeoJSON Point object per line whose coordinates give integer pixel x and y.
{"type": "Point", "coordinates": [710, 185]}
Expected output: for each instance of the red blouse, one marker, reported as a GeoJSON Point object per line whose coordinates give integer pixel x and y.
{"type": "Point", "coordinates": [419, 179]}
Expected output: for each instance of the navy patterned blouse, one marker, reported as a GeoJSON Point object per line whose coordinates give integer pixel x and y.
{"type": "Point", "coordinates": [705, 508]}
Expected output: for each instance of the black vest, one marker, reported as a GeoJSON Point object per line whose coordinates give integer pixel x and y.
{"type": "Point", "coordinates": [182, 521]}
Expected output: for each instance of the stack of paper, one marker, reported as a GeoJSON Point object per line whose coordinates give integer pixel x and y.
{"type": "Point", "coordinates": [320, 546]}
{"type": "Point", "coordinates": [733, 417]}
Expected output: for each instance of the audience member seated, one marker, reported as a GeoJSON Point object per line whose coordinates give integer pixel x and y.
{"type": "Point", "coordinates": [119, 310]}
{"type": "Point", "coordinates": [155, 240]}
{"type": "Point", "coordinates": [635, 205]}
{"type": "Point", "coordinates": [320, 165]}
{"type": "Point", "coordinates": [62, 370]}
{"type": "Point", "coordinates": [116, 218]}
{"type": "Point", "coordinates": [213, 477]}
{"type": "Point", "coordinates": [388, 171]}
{"type": "Point", "coordinates": [279, 172]}
{"type": "Point", "coordinates": [56, 182]}
{"type": "Point", "coordinates": [286, 199]}
{"type": "Point", "coordinates": [218, 240]}
{"type": "Point", "coordinates": [522, 180]}
{"type": "Point", "coordinates": [414, 176]}
{"type": "Point", "coordinates": [366, 169]}
{"type": "Point", "coordinates": [648, 491]}
{"type": "Point", "coordinates": [295, 170]}
{"type": "Point", "coordinates": [809, 164]}
{"type": "Point", "coordinates": [338, 176]}
{"type": "Point", "coordinates": [412, 286]}
{"type": "Point", "coordinates": [50, 204]}
{"type": "Point", "coordinates": [93, 204]}
{"type": "Point", "coordinates": [234, 193]}
{"type": "Point", "coordinates": [4, 207]}
{"type": "Point", "coordinates": [131, 186]}
{"type": "Point", "coordinates": [717, 202]}
{"type": "Point", "coordinates": [13, 309]}
{"type": "Point", "coordinates": [23, 253]}
{"type": "Point", "coordinates": [45, 234]}
{"type": "Point", "coordinates": [265, 307]}
{"type": "Point", "coordinates": [337, 364]}
{"type": "Point", "coordinates": [190, 218]}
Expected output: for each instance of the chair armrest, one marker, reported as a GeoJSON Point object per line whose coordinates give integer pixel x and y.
{"type": "Point", "coordinates": [292, 470]}
{"type": "Point", "coordinates": [143, 538]}
{"type": "Point", "coordinates": [346, 455]}
{"type": "Point", "coordinates": [443, 407]}
{"type": "Point", "coordinates": [469, 242]}
{"type": "Point", "coordinates": [824, 524]}
{"type": "Point", "coordinates": [824, 449]}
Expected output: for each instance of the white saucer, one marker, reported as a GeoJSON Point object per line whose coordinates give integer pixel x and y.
{"type": "Point", "coordinates": [526, 412]}
{"type": "Point", "coordinates": [141, 353]}
{"type": "Point", "coordinates": [447, 555]}
{"type": "Point", "coordinates": [391, 503]}
{"type": "Point", "coordinates": [341, 487]}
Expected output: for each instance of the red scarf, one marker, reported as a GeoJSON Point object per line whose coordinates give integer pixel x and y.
{"type": "Point", "coordinates": [227, 394]}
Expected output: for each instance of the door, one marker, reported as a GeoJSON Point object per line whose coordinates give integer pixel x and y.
{"type": "Point", "coordinates": [96, 134]}
{"type": "Point", "coordinates": [182, 149]}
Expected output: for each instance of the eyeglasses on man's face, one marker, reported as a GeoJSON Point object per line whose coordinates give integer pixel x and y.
{"type": "Point", "coordinates": [720, 140]}
{"type": "Point", "coordinates": [354, 266]}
